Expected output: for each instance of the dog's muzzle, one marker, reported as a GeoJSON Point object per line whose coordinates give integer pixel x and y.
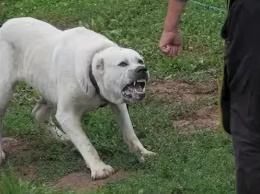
{"type": "Point", "coordinates": [135, 90]}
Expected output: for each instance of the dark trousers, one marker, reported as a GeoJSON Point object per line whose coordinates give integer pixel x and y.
{"type": "Point", "coordinates": [240, 100]}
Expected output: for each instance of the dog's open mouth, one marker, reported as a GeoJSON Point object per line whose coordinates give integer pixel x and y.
{"type": "Point", "coordinates": [135, 90]}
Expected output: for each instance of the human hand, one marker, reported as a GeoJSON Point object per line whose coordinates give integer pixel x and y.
{"type": "Point", "coordinates": [170, 43]}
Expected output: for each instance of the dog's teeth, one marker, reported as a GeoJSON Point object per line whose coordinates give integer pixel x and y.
{"type": "Point", "coordinates": [134, 83]}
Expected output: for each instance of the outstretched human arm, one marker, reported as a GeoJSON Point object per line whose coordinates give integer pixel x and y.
{"type": "Point", "coordinates": [170, 43]}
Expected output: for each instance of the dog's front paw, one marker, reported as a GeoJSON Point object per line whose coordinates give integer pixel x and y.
{"type": "Point", "coordinates": [2, 158]}
{"type": "Point", "coordinates": [145, 153]}
{"type": "Point", "coordinates": [148, 153]}
{"type": "Point", "coordinates": [101, 171]}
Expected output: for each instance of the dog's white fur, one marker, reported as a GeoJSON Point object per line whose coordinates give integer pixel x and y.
{"type": "Point", "coordinates": [57, 64]}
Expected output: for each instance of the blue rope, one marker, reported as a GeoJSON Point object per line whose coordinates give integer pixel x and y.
{"type": "Point", "coordinates": [209, 6]}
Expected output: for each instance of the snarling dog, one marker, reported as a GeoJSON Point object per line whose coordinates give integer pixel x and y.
{"type": "Point", "coordinates": [75, 71]}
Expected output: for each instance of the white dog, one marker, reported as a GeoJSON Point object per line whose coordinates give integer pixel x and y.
{"type": "Point", "coordinates": [75, 71]}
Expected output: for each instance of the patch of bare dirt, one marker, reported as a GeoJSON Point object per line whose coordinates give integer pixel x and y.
{"type": "Point", "coordinates": [170, 90]}
{"type": "Point", "coordinates": [203, 118]}
{"type": "Point", "coordinates": [82, 182]}
{"type": "Point", "coordinates": [14, 147]}
{"type": "Point", "coordinates": [27, 172]}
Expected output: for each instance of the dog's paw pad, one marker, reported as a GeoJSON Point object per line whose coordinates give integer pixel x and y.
{"type": "Point", "coordinates": [101, 171]}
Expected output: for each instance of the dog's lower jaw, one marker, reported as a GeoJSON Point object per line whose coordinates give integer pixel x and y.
{"type": "Point", "coordinates": [101, 170]}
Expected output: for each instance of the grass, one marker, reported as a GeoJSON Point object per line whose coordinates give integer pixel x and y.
{"type": "Point", "coordinates": [186, 163]}
{"type": "Point", "coordinates": [11, 185]}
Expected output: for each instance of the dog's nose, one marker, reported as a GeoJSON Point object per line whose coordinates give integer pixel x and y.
{"type": "Point", "coordinates": [140, 69]}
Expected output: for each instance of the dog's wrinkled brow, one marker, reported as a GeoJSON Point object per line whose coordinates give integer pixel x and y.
{"type": "Point", "coordinates": [140, 61]}
{"type": "Point", "coordinates": [123, 63]}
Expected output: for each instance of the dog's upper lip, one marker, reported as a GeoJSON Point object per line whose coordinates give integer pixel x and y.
{"type": "Point", "coordinates": [139, 81]}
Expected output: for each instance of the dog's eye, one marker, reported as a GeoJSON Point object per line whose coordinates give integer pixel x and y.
{"type": "Point", "coordinates": [122, 64]}
{"type": "Point", "coordinates": [140, 61]}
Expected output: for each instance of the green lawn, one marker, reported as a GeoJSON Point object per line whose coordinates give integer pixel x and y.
{"type": "Point", "coordinates": [198, 161]}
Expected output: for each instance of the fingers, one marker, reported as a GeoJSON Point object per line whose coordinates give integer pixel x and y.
{"type": "Point", "coordinates": [165, 49]}
{"type": "Point", "coordinates": [170, 43]}
{"type": "Point", "coordinates": [171, 51]}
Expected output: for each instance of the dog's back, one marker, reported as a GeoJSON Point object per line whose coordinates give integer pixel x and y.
{"type": "Point", "coordinates": [37, 53]}
{"type": "Point", "coordinates": [25, 30]}
{"type": "Point", "coordinates": [20, 39]}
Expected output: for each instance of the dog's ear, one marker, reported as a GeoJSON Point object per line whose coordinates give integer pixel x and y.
{"type": "Point", "coordinates": [100, 65]}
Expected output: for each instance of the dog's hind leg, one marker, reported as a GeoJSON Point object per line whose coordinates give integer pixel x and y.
{"type": "Point", "coordinates": [6, 83]}
{"type": "Point", "coordinates": [4, 99]}
{"type": "Point", "coordinates": [42, 113]}
{"type": "Point", "coordinates": [5, 96]}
